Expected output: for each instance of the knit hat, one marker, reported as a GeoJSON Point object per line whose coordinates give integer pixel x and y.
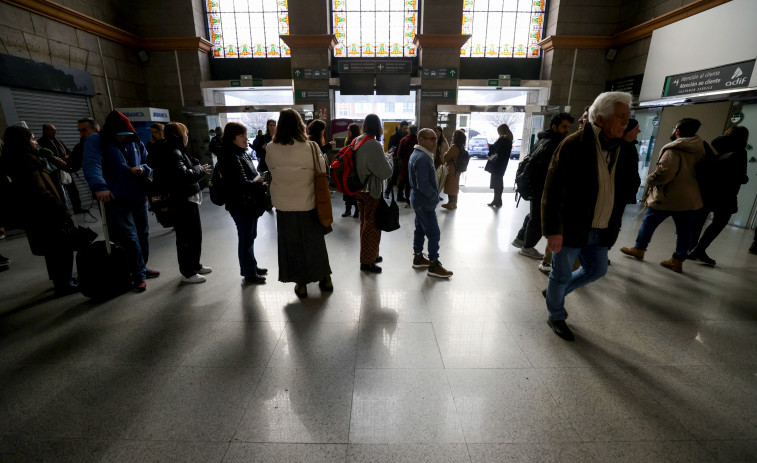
{"type": "Point", "coordinates": [632, 123]}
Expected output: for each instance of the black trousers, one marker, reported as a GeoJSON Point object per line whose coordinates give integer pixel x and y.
{"type": "Point", "coordinates": [73, 194]}
{"type": "Point", "coordinates": [60, 265]}
{"type": "Point", "coordinates": [188, 235]}
{"type": "Point", "coordinates": [530, 232]}
{"type": "Point", "coordinates": [720, 219]}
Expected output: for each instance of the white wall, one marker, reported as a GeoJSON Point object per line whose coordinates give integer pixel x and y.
{"type": "Point", "coordinates": [722, 35]}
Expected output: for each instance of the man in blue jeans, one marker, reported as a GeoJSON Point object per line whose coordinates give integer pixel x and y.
{"type": "Point", "coordinates": [673, 191]}
{"type": "Point", "coordinates": [424, 196]}
{"type": "Point", "coordinates": [580, 214]}
{"type": "Point", "coordinates": [115, 166]}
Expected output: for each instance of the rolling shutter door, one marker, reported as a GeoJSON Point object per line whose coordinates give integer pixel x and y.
{"type": "Point", "coordinates": [37, 108]}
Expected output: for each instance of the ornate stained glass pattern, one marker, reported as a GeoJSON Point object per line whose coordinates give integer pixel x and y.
{"type": "Point", "coordinates": [248, 28]}
{"type": "Point", "coordinates": [374, 28]}
{"type": "Point", "coordinates": [503, 28]}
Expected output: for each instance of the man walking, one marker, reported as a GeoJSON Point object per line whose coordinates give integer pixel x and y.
{"type": "Point", "coordinates": [578, 204]}
{"type": "Point", "coordinates": [424, 196]}
{"type": "Point", "coordinates": [536, 171]}
{"type": "Point", "coordinates": [673, 190]}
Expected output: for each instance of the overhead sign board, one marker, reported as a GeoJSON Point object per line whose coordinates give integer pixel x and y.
{"type": "Point", "coordinates": [728, 77]}
{"type": "Point", "coordinates": [376, 66]}
{"type": "Point", "coordinates": [311, 94]}
{"type": "Point", "coordinates": [310, 73]}
{"type": "Point", "coordinates": [631, 84]}
{"type": "Point", "coordinates": [146, 114]}
{"type": "Point", "coordinates": [440, 73]}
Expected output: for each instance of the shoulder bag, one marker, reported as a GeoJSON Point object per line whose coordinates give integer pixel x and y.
{"type": "Point", "coordinates": [322, 192]}
{"type": "Point", "coordinates": [387, 215]}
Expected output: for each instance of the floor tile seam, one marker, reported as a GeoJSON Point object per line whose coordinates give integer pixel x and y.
{"type": "Point", "coordinates": [561, 409]}
{"type": "Point", "coordinates": [457, 411]}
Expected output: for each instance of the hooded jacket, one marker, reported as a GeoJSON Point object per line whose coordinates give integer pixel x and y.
{"type": "Point", "coordinates": [673, 186]}
{"type": "Point", "coordinates": [106, 163]}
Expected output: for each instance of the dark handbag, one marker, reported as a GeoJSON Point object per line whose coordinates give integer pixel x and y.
{"type": "Point", "coordinates": [84, 237]}
{"type": "Point", "coordinates": [322, 191]}
{"type": "Point", "coordinates": [388, 215]}
{"type": "Point", "coordinates": [160, 206]}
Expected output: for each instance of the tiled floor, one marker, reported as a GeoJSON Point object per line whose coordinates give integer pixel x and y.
{"type": "Point", "coordinates": [396, 367]}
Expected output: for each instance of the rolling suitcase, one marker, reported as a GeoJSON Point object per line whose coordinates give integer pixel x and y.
{"type": "Point", "coordinates": [103, 267]}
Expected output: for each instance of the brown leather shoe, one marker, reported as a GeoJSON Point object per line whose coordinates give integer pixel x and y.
{"type": "Point", "coordinates": [633, 252]}
{"type": "Point", "coordinates": [673, 264]}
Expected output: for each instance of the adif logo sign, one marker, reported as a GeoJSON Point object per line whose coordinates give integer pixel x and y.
{"type": "Point", "coordinates": [736, 79]}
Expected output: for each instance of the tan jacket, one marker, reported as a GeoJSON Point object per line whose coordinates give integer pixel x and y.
{"type": "Point", "coordinates": [292, 175]}
{"type": "Point", "coordinates": [452, 184]}
{"type": "Point", "coordinates": [673, 186]}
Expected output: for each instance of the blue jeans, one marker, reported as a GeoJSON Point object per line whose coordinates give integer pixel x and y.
{"type": "Point", "coordinates": [247, 231]}
{"type": "Point", "coordinates": [127, 226]}
{"type": "Point", "coordinates": [426, 226]}
{"type": "Point", "coordinates": [684, 221]}
{"type": "Point", "coordinates": [562, 280]}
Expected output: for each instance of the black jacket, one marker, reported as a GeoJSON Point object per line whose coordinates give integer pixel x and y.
{"type": "Point", "coordinates": [173, 171]}
{"type": "Point", "coordinates": [502, 147]}
{"type": "Point", "coordinates": [548, 142]}
{"type": "Point", "coordinates": [239, 173]}
{"type": "Point", "coordinates": [728, 171]}
{"type": "Point", "coordinates": [571, 189]}
{"type": "Point", "coordinates": [394, 141]}
{"type": "Point", "coordinates": [628, 163]}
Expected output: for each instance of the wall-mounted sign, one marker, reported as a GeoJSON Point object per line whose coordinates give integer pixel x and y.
{"type": "Point", "coordinates": [235, 83]}
{"type": "Point", "coordinates": [440, 73]}
{"type": "Point", "coordinates": [737, 117]}
{"type": "Point", "coordinates": [493, 82]}
{"type": "Point", "coordinates": [728, 77]}
{"type": "Point", "coordinates": [311, 94]}
{"type": "Point", "coordinates": [630, 85]}
{"type": "Point", "coordinates": [439, 94]}
{"type": "Point", "coordinates": [376, 66]}
{"type": "Point", "coordinates": [146, 114]}
{"type": "Point", "coordinates": [310, 73]}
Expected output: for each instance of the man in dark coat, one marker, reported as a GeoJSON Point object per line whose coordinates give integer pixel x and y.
{"type": "Point", "coordinates": [394, 143]}
{"type": "Point", "coordinates": [406, 147]}
{"type": "Point", "coordinates": [60, 159]}
{"type": "Point", "coordinates": [579, 201]}
{"type": "Point", "coordinates": [86, 126]}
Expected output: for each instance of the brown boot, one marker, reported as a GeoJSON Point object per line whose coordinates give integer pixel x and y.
{"type": "Point", "coordinates": [673, 264]}
{"type": "Point", "coordinates": [633, 252]}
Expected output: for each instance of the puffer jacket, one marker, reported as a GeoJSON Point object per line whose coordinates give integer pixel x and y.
{"type": "Point", "coordinates": [673, 186]}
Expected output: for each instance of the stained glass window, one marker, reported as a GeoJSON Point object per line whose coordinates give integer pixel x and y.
{"type": "Point", "coordinates": [503, 28]}
{"type": "Point", "coordinates": [375, 28]}
{"type": "Point", "coordinates": [248, 28]}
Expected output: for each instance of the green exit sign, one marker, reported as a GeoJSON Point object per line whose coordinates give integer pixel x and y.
{"type": "Point", "coordinates": [493, 82]}
{"type": "Point", "coordinates": [235, 83]}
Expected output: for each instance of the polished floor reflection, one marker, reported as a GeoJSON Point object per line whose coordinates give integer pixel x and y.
{"type": "Point", "coordinates": [396, 367]}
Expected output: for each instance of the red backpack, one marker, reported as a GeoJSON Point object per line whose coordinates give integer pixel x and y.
{"type": "Point", "coordinates": [343, 170]}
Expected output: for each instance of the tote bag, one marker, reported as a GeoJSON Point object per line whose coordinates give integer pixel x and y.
{"type": "Point", "coordinates": [322, 193]}
{"type": "Point", "coordinates": [388, 215]}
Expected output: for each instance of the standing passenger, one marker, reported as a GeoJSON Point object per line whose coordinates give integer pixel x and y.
{"type": "Point", "coordinates": [497, 165]}
{"type": "Point", "coordinates": [373, 167]}
{"type": "Point", "coordinates": [452, 184]}
{"type": "Point", "coordinates": [353, 131]}
{"type": "Point", "coordinates": [424, 197]}
{"type": "Point", "coordinates": [303, 257]}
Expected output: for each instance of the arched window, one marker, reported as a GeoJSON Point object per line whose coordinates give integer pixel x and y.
{"type": "Point", "coordinates": [248, 28]}
{"type": "Point", "coordinates": [374, 28]}
{"type": "Point", "coordinates": [503, 28]}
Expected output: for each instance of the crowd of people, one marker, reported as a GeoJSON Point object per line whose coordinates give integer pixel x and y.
{"type": "Point", "coordinates": [579, 185]}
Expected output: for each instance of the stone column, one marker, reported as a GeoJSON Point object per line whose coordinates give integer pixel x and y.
{"type": "Point", "coordinates": [311, 41]}
{"type": "Point", "coordinates": [438, 42]}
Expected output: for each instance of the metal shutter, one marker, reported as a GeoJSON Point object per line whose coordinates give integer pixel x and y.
{"type": "Point", "coordinates": [37, 108]}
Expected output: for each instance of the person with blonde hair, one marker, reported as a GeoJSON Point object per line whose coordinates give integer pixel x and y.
{"type": "Point", "coordinates": [177, 174]}
{"type": "Point", "coordinates": [292, 160]}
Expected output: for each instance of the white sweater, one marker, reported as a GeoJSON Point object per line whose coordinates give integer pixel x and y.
{"type": "Point", "coordinates": [292, 172]}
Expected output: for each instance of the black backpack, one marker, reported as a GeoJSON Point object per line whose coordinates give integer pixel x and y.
{"type": "Point", "coordinates": [463, 160]}
{"type": "Point", "coordinates": [524, 185]}
{"type": "Point", "coordinates": [217, 187]}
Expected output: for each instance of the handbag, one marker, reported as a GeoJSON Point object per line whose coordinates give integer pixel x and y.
{"type": "Point", "coordinates": [322, 192]}
{"type": "Point", "coordinates": [441, 176]}
{"type": "Point", "coordinates": [388, 215]}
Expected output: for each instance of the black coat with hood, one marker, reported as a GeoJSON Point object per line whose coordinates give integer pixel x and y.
{"type": "Point", "coordinates": [174, 172]}
{"type": "Point", "coordinates": [730, 172]}
{"type": "Point", "coordinates": [239, 174]}
{"type": "Point", "coordinates": [545, 147]}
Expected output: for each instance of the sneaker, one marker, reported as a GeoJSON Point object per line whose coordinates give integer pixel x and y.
{"type": "Point", "coordinates": [372, 268]}
{"type": "Point", "coordinates": [379, 259]}
{"type": "Point", "coordinates": [194, 279]}
{"type": "Point", "coordinates": [4, 261]}
{"type": "Point", "coordinates": [140, 286]}
{"type": "Point", "coordinates": [419, 261]}
{"type": "Point", "coordinates": [149, 273]}
{"type": "Point", "coordinates": [531, 252]}
{"type": "Point", "coordinates": [254, 279]}
{"type": "Point", "coordinates": [203, 270]}
{"type": "Point", "coordinates": [545, 268]}
{"type": "Point", "coordinates": [346, 213]}
{"type": "Point", "coordinates": [356, 215]}
{"type": "Point", "coordinates": [518, 243]}
{"type": "Point", "coordinates": [262, 271]}
{"type": "Point", "coordinates": [436, 270]}
{"type": "Point", "coordinates": [634, 252]}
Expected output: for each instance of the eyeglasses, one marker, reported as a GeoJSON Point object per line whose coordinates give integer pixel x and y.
{"type": "Point", "coordinates": [430, 138]}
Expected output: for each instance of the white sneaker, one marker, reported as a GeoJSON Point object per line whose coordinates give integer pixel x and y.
{"type": "Point", "coordinates": [204, 270]}
{"type": "Point", "coordinates": [545, 268]}
{"type": "Point", "coordinates": [194, 279]}
{"type": "Point", "coordinates": [531, 252]}
{"type": "Point", "coordinates": [518, 243]}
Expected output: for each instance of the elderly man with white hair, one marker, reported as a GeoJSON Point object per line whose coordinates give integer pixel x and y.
{"type": "Point", "coordinates": [581, 212]}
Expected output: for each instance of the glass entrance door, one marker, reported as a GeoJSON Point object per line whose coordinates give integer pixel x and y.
{"type": "Point", "coordinates": [748, 193]}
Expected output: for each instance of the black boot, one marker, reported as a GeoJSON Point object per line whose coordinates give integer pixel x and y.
{"type": "Point", "coordinates": [347, 211]}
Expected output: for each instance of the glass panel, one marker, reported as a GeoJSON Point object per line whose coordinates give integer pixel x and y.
{"type": "Point", "coordinates": [503, 28]}
{"type": "Point", "coordinates": [374, 28]}
{"type": "Point", "coordinates": [247, 28]}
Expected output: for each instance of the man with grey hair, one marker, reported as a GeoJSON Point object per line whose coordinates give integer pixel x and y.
{"type": "Point", "coordinates": [580, 214]}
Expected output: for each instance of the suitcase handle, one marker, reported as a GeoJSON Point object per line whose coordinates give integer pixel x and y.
{"type": "Point", "coordinates": [105, 227]}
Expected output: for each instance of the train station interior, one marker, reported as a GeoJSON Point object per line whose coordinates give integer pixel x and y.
{"type": "Point", "coordinates": [396, 366]}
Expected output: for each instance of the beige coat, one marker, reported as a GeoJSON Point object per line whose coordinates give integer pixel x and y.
{"type": "Point", "coordinates": [452, 184]}
{"type": "Point", "coordinates": [292, 175]}
{"type": "Point", "coordinates": [673, 186]}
